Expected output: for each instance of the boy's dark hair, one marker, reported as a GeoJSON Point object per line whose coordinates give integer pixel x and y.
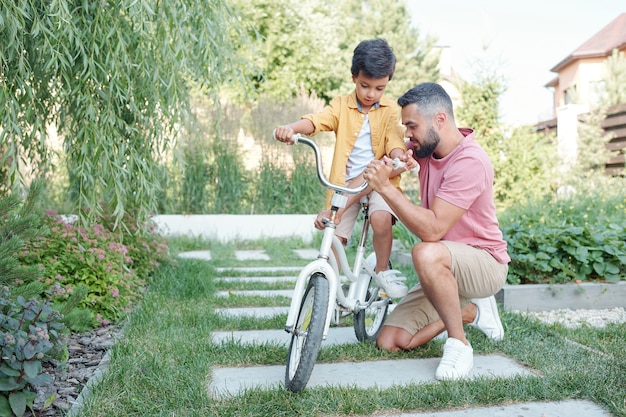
{"type": "Point", "coordinates": [429, 97]}
{"type": "Point", "coordinates": [374, 58]}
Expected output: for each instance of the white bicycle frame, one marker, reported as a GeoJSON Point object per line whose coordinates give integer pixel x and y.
{"type": "Point", "coordinates": [324, 263]}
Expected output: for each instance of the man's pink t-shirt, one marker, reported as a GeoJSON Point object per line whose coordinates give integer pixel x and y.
{"type": "Point", "coordinates": [465, 178]}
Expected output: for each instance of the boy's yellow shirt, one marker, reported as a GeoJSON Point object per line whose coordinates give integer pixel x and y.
{"type": "Point", "coordinates": [343, 117]}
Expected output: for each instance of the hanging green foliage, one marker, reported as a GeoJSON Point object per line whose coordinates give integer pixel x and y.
{"type": "Point", "coordinates": [114, 76]}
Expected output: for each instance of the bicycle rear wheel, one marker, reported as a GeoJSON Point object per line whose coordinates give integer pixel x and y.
{"type": "Point", "coordinates": [308, 334]}
{"type": "Point", "coordinates": [369, 321]}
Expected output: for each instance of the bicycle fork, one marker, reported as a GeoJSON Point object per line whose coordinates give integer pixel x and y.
{"type": "Point", "coordinates": [322, 266]}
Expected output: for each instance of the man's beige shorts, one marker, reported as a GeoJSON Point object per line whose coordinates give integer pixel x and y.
{"type": "Point", "coordinates": [477, 273]}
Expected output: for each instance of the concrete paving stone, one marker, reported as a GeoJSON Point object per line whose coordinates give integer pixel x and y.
{"type": "Point", "coordinates": [196, 254]}
{"type": "Point", "coordinates": [266, 280]}
{"type": "Point", "coordinates": [259, 293]}
{"type": "Point", "coordinates": [336, 336]}
{"type": "Point", "coordinates": [251, 255]}
{"type": "Point", "coordinates": [258, 312]}
{"type": "Point", "coordinates": [567, 408]}
{"type": "Point", "coordinates": [227, 382]}
{"type": "Point", "coordinates": [307, 253]}
{"type": "Point", "coordinates": [257, 269]}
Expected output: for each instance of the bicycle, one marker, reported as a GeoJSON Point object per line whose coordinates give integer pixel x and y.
{"type": "Point", "coordinates": [320, 296]}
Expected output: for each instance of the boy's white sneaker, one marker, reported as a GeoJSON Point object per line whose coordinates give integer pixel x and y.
{"type": "Point", "coordinates": [488, 318]}
{"type": "Point", "coordinates": [391, 283]}
{"type": "Point", "coordinates": [457, 361]}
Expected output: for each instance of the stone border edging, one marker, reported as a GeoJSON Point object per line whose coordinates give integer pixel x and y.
{"type": "Point", "coordinates": [545, 297]}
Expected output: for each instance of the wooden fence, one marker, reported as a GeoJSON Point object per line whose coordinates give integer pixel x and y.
{"type": "Point", "coordinates": [615, 125]}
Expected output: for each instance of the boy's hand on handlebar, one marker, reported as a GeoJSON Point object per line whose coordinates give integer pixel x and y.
{"type": "Point", "coordinates": [284, 134]}
{"type": "Point", "coordinates": [407, 162]}
{"type": "Point", "coordinates": [411, 163]}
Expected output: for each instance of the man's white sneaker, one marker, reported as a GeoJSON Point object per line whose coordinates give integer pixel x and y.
{"type": "Point", "coordinates": [391, 284]}
{"type": "Point", "coordinates": [487, 318]}
{"type": "Point", "coordinates": [457, 361]}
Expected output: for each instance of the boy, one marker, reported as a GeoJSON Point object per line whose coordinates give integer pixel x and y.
{"type": "Point", "coordinates": [367, 127]}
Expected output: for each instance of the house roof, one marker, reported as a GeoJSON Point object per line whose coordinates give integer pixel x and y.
{"type": "Point", "coordinates": [612, 36]}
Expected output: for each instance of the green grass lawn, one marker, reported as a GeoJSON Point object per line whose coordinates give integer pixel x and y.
{"type": "Point", "coordinates": [161, 366]}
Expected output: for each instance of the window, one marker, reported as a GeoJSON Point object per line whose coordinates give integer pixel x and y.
{"type": "Point", "coordinates": [597, 91]}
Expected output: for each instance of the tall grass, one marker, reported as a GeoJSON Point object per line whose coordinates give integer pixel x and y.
{"type": "Point", "coordinates": [228, 162]}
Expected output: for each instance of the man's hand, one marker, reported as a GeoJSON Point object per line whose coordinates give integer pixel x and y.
{"type": "Point", "coordinates": [377, 173]}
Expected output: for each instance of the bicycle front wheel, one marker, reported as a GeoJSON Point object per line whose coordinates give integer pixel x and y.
{"type": "Point", "coordinates": [369, 321]}
{"type": "Point", "coordinates": [308, 333]}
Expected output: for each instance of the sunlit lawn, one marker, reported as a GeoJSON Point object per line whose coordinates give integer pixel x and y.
{"type": "Point", "coordinates": [161, 366]}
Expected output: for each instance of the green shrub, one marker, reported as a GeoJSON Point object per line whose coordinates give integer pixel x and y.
{"type": "Point", "coordinates": [71, 255]}
{"type": "Point", "coordinates": [19, 222]}
{"type": "Point", "coordinates": [581, 237]}
{"type": "Point", "coordinates": [147, 249]}
{"type": "Point", "coordinates": [557, 240]}
{"type": "Point", "coordinates": [113, 265]}
{"type": "Point", "coordinates": [29, 334]}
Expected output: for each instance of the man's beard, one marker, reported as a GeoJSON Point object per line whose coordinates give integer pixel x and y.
{"type": "Point", "coordinates": [430, 144]}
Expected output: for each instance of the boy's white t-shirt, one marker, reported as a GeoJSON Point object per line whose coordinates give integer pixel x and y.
{"type": "Point", "coordinates": [362, 153]}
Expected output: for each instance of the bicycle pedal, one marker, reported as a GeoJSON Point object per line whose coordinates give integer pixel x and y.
{"type": "Point", "coordinates": [383, 294]}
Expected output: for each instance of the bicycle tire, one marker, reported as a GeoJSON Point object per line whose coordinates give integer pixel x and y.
{"type": "Point", "coordinates": [369, 321]}
{"type": "Point", "coordinates": [307, 337]}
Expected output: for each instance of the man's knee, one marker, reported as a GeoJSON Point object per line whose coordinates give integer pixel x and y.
{"type": "Point", "coordinates": [427, 251]}
{"type": "Point", "coordinates": [426, 255]}
{"type": "Point", "coordinates": [384, 344]}
{"type": "Point", "coordinates": [389, 340]}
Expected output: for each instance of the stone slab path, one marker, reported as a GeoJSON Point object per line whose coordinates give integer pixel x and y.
{"type": "Point", "coordinates": [370, 374]}
{"type": "Point", "coordinates": [232, 381]}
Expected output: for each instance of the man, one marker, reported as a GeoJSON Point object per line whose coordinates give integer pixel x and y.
{"type": "Point", "coordinates": [462, 260]}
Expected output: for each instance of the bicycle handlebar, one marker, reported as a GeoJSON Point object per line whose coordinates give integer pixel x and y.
{"type": "Point", "coordinates": [299, 138]}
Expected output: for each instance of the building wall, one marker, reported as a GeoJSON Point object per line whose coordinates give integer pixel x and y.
{"type": "Point", "coordinates": [585, 74]}
{"type": "Point", "coordinates": [581, 75]}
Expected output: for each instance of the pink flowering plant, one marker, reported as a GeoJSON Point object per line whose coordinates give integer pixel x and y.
{"type": "Point", "coordinates": [147, 249]}
{"type": "Point", "coordinates": [97, 257]}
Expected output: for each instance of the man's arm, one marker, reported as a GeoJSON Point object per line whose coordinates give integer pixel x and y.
{"type": "Point", "coordinates": [430, 225]}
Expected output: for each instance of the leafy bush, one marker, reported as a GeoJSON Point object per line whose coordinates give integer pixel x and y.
{"type": "Point", "coordinates": [557, 240]}
{"type": "Point", "coordinates": [563, 239]}
{"type": "Point", "coordinates": [113, 265]}
{"type": "Point", "coordinates": [29, 335]}
{"type": "Point", "coordinates": [147, 249]}
{"type": "Point", "coordinates": [28, 323]}
{"type": "Point", "coordinates": [19, 222]}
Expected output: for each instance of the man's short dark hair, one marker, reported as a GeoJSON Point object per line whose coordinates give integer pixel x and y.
{"type": "Point", "coordinates": [429, 97]}
{"type": "Point", "coordinates": [374, 58]}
